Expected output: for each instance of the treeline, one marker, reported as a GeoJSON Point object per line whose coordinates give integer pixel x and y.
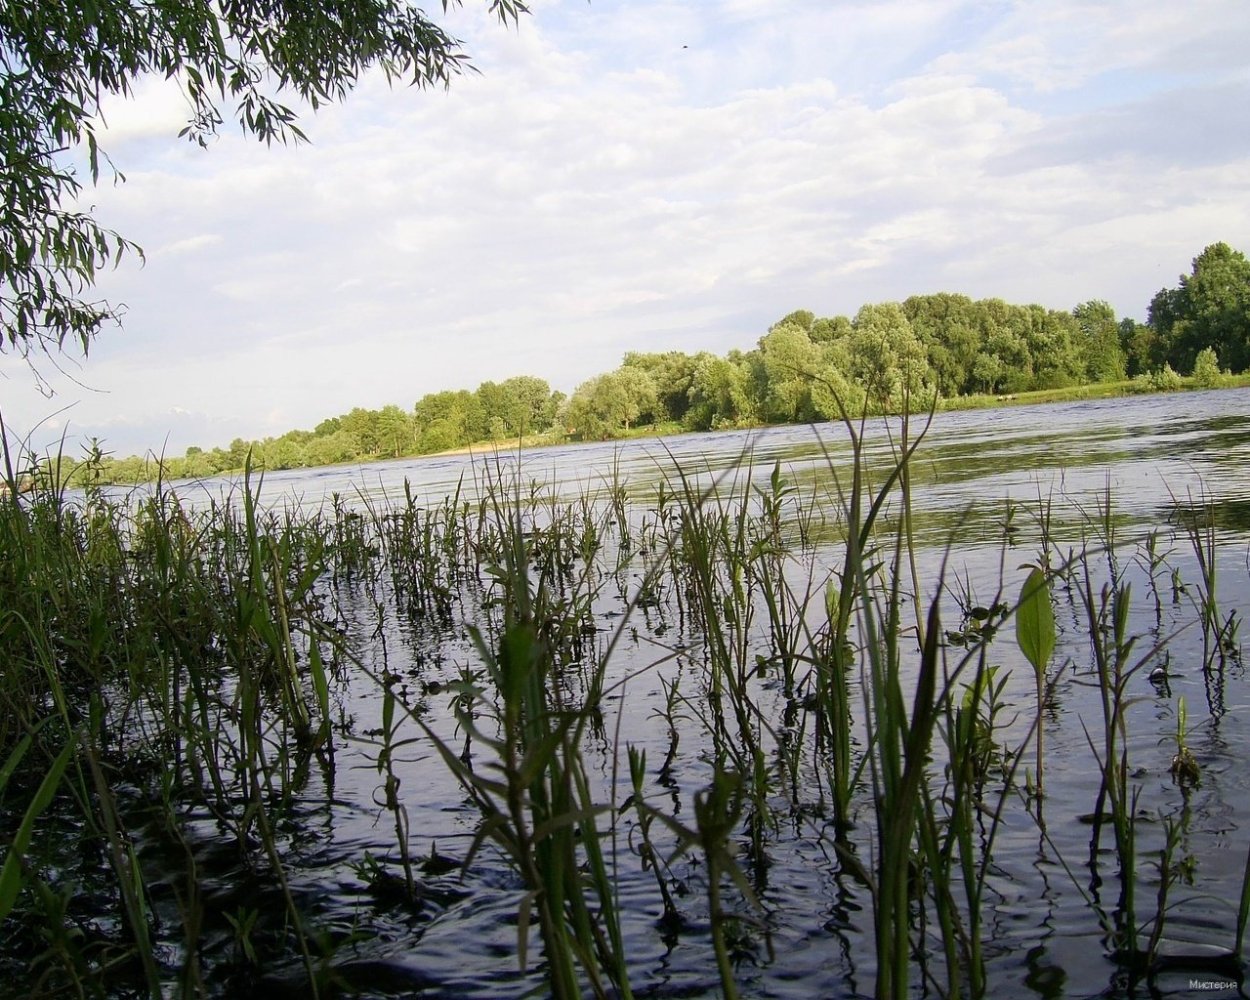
{"type": "Point", "coordinates": [440, 421]}
{"type": "Point", "coordinates": [803, 369]}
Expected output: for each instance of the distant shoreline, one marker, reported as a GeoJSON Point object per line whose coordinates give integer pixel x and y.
{"type": "Point", "coordinates": [1093, 391]}
{"type": "Point", "coordinates": [952, 404]}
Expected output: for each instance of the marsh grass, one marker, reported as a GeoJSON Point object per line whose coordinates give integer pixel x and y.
{"type": "Point", "coordinates": [121, 619]}
{"type": "Point", "coordinates": [166, 661]}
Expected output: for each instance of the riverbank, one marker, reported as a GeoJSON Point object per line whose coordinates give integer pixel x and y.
{"type": "Point", "coordinates": [1069, 394]}
{"type": "Point", "coordinates": [106, 471]}
{"type": "Point", "coordinates": [1097, 390]}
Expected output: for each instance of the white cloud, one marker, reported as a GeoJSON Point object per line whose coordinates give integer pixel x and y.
{"type": "Point", "coordinates": [190, 244]}
{"type": "Point", "coordinates": [157, 109]}
{"type": "Point", "coordinates": [600, 187]}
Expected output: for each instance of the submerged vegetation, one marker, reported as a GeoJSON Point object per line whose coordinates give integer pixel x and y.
{"type": "Point", "coordinates": [737, 711]}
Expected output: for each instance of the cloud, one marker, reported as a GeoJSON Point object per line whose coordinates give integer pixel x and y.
{"type": "Point", "coordinates": [1071, 46]}
{"type": "Point", "coordinates": [190, 244]}
{"type": "Point", "coordinates": [1188, 127]}
{"type": "Point", "coordinates": [156, 109]}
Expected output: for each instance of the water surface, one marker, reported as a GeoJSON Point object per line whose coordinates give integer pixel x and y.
{"type": "Point", "coordinates": [991, 491]}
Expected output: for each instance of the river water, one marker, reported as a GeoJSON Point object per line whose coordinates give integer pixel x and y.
{"type": "Point", "coordinates": [1150, 449]}
{"type": "Point", "coordinates": [991, 491]}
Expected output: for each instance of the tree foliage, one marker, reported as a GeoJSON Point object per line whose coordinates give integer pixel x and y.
{"type": "Point", "coordinates": [1105, 357]}
{"type": "Point", "coordinates": [720, 392]}
{"type": "Point", "coordinates": [1207, 369]}
{"type": "Point", "coordinates": [1209, 308]}
{"type": "Point", "coordinates": [59, 60]}
{"type": "Point", "coordinates": [610, 404]}
{"type": "Point", "coordinates": [672, 374]}
{"type": "Point", "coordinates": [790, 360]}
{"type": "Point", "coordinates": [886, 356]}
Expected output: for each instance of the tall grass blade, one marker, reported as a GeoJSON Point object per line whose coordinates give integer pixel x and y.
{"type": "Point", "coordinates": [11, 873]}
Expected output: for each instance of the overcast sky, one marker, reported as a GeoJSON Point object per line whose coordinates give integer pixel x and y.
{"type": "Point", "coordinates": [649, 175]}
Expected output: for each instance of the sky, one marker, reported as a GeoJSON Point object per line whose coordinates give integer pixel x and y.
{"type": "Point", "coordinates": [647, 175]}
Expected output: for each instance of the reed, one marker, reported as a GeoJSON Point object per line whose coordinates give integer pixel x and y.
{"type": "Point", "coordinates": [167, 660]}
{"type": "Point", "coordinates": [535, 801]}
{"type": "Point", "coordinates": [717, 561]}
{"type": "Point", "coordinates": [123, 619]}
{"type": "Point", "coordinates": [1220, 645]}
{"type": "Point", "coordinates": [910, 846]}
{"type": "Point", "coordinates": [1107, 616]}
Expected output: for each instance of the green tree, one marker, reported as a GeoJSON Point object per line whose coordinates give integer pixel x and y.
{"type": "Point", "coordinates": [1207, 369]}
{"type": "Point", "coordinates": [720, 393]}
{"type": "Point", "coordinates": [835, 393]}
{"type": "Point", "coordinates": [1055, 347]}
{"type": "Point", "coordinates": [948, 325]}
{"type": "Point", "coordinates": [886, 358]}
{"type": "Point", "coordinates": [828, 329]}
{"type": "Point", "coordinates": [1210, 308]}
{"type": "Point", "coordinates": [59, 61]}
{"type": "Point", "coordinates": [449, 419]}
{"type": "Point", "coordinates": [608, 404]}
{"type": "Point", "coordinates": [530, 407]}
{"type": "Point", "coordinates": [237, 455]}
{"type": "Point", "coordinates": [1144, 350]}
{"type": "Point", "coordinates": [521, 404]}
{"type": "Point", "coordinates": [1164, 379]}
{"type": "Point", "coordinates": [1004, 363]}
{"type": "Point", "coordinates": [493, 400]}
{"type": "Point", "coordinates": [1104, 356]}
{"type": "Point", "coordinates": [804, 319]}
{"type": "Point", "coordinates": [988, 372]}
{"type": "Point", "coordinates": [282, 453]}
{"type": "Point", "coordinates": [790, 359]}
{"type": "Point", "coordinates": [341, 446]}
{"type": "Point", "coordinates": [642, 402]}
{"type": "Point", "coordinates": [672, 374]}
{"type": "Point", "coordinates": [394, 430]}
{"type": "Point", "coordinates": [1165, 318]}
{"type": "Point", "coordinates": [197, 464]}
{"type": "Point", "coordinates": [362, 424]}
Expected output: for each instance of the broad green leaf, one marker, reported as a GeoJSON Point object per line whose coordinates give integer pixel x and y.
{"type": "Point", "coordinates": [1035, 621]}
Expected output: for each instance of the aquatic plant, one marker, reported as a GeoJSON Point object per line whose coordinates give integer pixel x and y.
{"type": "Point", "coordinates": [647, 699]}
{"type": "Point", "coordinates": [1035, 633]}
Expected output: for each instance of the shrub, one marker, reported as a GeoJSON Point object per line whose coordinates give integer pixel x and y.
{"type": "Point", "coordinates": [1207, 369]}
{"type": "Point", "coordinates": [1165, 379]}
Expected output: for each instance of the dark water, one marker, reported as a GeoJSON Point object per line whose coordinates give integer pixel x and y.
{"type": "Point", "coordinates": [989, 488]}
